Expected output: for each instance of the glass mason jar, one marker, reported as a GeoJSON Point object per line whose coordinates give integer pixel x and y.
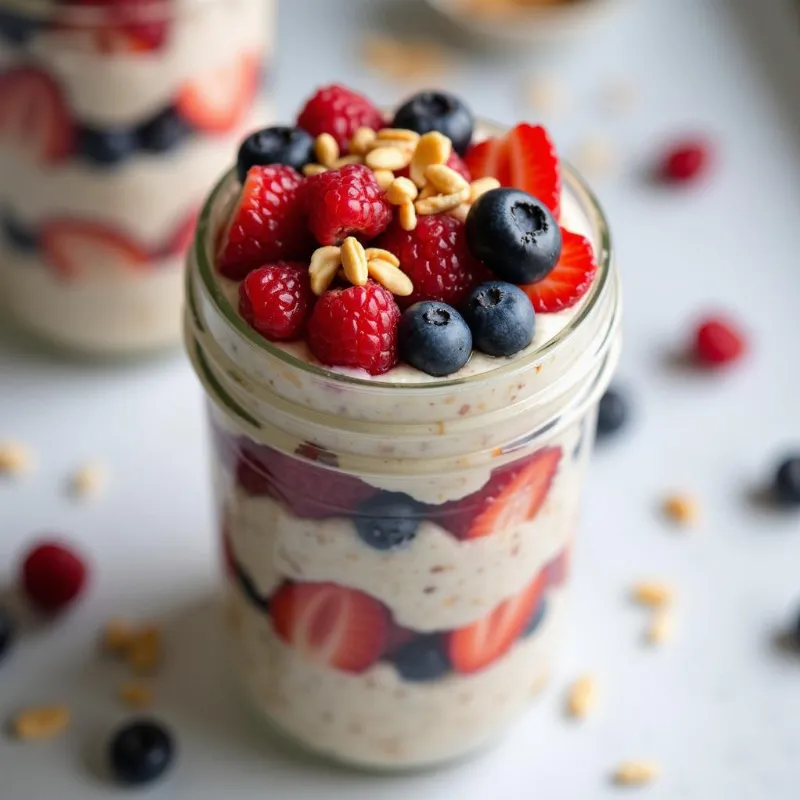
{"type": "Point", "coordinates": [397, 553]}
{"type": "Point", "coordinates": [115, 120]}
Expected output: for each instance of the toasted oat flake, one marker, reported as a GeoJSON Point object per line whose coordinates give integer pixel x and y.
{"type": "Point", "coordinates": [391, 158]}
{"type": "Point", "coordinates": [407, 216]}
{"type": "Point", "coordinates": [390, 277]}
{"type": "Point", "coordinates": [313, 169]}
{"type": "Point", "coordinates": [144, 652]}
{"type": "Point", "coordinates": [401, 191]}
{"type": "Point", "coordinates": [15, 459]}
{"type": "Point", "coordinates": [384, 177]}
{"type": "Point", "coordinates": [385, 255]}
{"type": "Point", "coordinates": [136, 695]}
{"type": "Point", "coordinates": [325, 263]}
{"type": "Point", "coordinates": [582, 697]}
{"type": "Point", "coordinates": [460, 212]}
{"type": "Point", "coordinates": [652, 593]}
{"type": "Point", "coordinates": [661, 627]}
{"type": "Point", "coordinates": [43, 722]}
{"type": "Point", "coordinates": [481, 186]}
{"type": "Point", "coordinates": [441, 203]}
{"type": "Point", "coordinates": [635, 773]}
{"type": "Point", "coordinates": [118, 635]}
{"type": "Point", "coordinates": [326, 149]}
{"type": "Point", "coordinates": [345, 161]}
{"type": "Point", "coordinates": [361, 141]}
{"type": "Point", "coordinates": [445, 179]}
{"type": "Point", "coordinates": [432, 148]}
{"type": "Point", "coordinates": [682, 509]}
{"type": "Point", "coordinates": [88, 480]}
{"type": "Point", "coordinates": [354, 261]}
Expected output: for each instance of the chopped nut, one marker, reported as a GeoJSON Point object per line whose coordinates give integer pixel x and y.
{"type": "Point", "coordinates": [15, 459]}
{"type": "Point", "coordinates": [313, 169]}
{"type": "Point", "coordinates": [481, 186]}
{"type": "Point", "coordinates": [117, 637]}
{"type": "Point", "coordinates": [384, 177]}
{"type": "Point", "coordinates": [88, 480]}
{"type": "Point", "coordinates": [136, 695]}
{"type": "Point", "coordinates": [401, 191]}
{"type": "Point", "coordinates": [408, 216]}
{"type": "Point", "coordinates": [144, 651]}
{"type": "Point", "coordinates": [661, 627]}
{"type": "Point", "coordinates": [682, 509]}
{"type": "Point", "coordinates": [398, 135]}
{"type": "Point", "coordinates": [325, 263]}
{"type": "Point", "coordinates": [445, 179]}
{"type": "Point", "coordinates": [326, 149]}
{"type": "Point", "coordinates": [390, 277]}
{"type": "Point", "coordinates": [345, 160]}
{"type": "Point", "coordinates": [654, 594]}
{"type": "Point", "coordinates": [44, 722]}
{"type": "Point", "coordinates": [432, 148]}
{"type": "Point", "coordinates": [391, 158]}
{"type": "Point", "coordinates": [460, 212]}
{"type": "Point", "coordinates": [635, 773]}
{"type": "Point", "coordinates": [385, 255]}
{"type": "Point", "coordinates": [582, 697]}
{"type": "Point", "coordinates": [398, 144]}
{"type": "Point", "coordinates": [441, 203]}
{"type": "Point", "coordinates": [354, 261]}
{"type": "Point", "coordinates": [427, 191]}
{"type": "Point", "coordinates": [361, 141]}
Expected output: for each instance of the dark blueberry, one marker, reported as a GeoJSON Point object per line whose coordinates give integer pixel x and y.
{"type": "Point", "coordinates": [107, 147]}
{"type": "Point", "coordinates": [281, 145]}
{"type": "Point", "coordinates": [19, 236]}
{"type": "Point", "coordinates": [16, 27]}
{"type": "Point", "coordinates": [787, 482]}
{"type": "Point", "coordinates": [7, 630]}
{"type": "Point", "coordinates": [388, 520]}
{"type": "Point", "coordinates": [434, 338]}
{"type": "Point", "coordinates": [501, 318]}
{"type": "Point", "coordinates": [612, 413]}
{"type": "Point", "coordinates": [422, 659]}
{"type": "Point", "coordinates": [164, 132]}
{"type": "Point", "coordinates": [514, 234]}
{"type": "Point", "coordinates": [536, 619]}
{"type": "Point", "coordinates": [140, 752]}
{"type": "Point", "coordinates": [437, 111]}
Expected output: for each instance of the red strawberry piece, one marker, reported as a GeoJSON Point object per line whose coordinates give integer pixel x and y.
{"type": "Point", "coordinates": [525, 158]}
{"type": "Point", "coordinates": [77, 248]}
{"type": "Point", "coordinates": [276, 300]}
{"type": "Point", "coordinates": [181, 239]}
{"type": "Point", "coordinates": [346, 202]}
{"type": "Point", "coordinates": [513, 496]}
{"type": "Point", "coordinates": [684, 162]}
{"type": "Point", "coordinates": [557, 570]}
{"type": "Point", "coordinates": [476, 646]}
{"type": "Point", "coordinates": [53, 576]}
{"type": "Point", "coordinates": [340, 112]}
{"type": "Point", "coordinates": [268, 223]}
{"type": "Point", "coordinates": [34, 117]}
{"type": "Point", "coordinates": [454, 162]}
{"type": "Point", "coordinates": [569, 280]}
{"type": "Point", "coordinates": [437, 259]}
{"type": "Point", "coordinates": [218, 102]}
{"type": "Point", "coordinates": [339, 627]}
{"type": "Point", "coordinates": [355, 327]}
{"type": "Point", "coordinates": [717, 341]}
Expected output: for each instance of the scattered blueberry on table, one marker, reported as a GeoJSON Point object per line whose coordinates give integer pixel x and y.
{"type": "Point", "coordinates": [7, 630]}
{"type": "Point", "coordinates": [140, 752]}
{"type": "Point", "coordinates": [786, 484]}
{"type": "Point", "coordinates": [612, 413]}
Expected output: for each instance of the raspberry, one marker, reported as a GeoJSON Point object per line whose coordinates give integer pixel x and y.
{"type": "Point", "coordinates": [340, 112]}
{"type": "Point", "coordinates": [52, 576]}
{"type": "Point", "coordinates": [355, 327]}
{"type": "Point", "coordinates": [268, 223]}
{"type": "Point", "coordinates": [684, 162]}
{"type": "Point", "coordinates": [436, 258]}
{"type": "Point", "coordinates": [718, 342]}
{"type": "Point", "coordinates": [346, 202]}
{"type": "Point", "coordinates": [276, 300]}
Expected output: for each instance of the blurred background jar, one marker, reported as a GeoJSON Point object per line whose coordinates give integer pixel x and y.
{"type": "Point", "coordinates": [115, 118]}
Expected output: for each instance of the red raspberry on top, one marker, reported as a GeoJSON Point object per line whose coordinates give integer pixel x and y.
{"type": "Point", "coordinates": [276, 300]}
{"type": "Point", "coordinates": [355, 327]}
{"type": "Point", "coordinates": [267, 224]}
{"type": "Point", "coordinates": [346, 202]}
{"type": "Point", "coordinates": [340, 112]}
{"type": "Point", "coordinates": [436, 258]}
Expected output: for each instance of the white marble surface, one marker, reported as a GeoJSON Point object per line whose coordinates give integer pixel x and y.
{"type": "Point", "coordinates": [719, 708]}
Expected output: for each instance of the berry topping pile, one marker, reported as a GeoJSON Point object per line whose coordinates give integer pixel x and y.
{"type": "Point", "coordinates": [419, 244]}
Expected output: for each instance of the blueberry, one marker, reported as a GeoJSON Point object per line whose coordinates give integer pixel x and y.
{"type": "Point", "coordinates": [19, 236]}
{"type": "Point", "coordinates": [612, 413]}
{"type": "Point", "coordinates": [434, 338]}
{"type": "Point", "coordinates": [7, 630]}
{"type": "Point", "coordinates": [514, 234]}
{"type": "Point", "coordinates": [437, 111]}
{"type": "Point", "coordinates": [787, 482]}
{"type": "Point", "coordinates": [422, 659]}
{"type": "Point", "coordinates": [536, 619]}
{"type": "Point", "coordinates": [291, 146]}
{"type": "Point", "coordinates": [140, 752]}
{"type": "Point", "coordinates": [388, 520]}
{"type": "Point", "coordinates": [107, 147]}
{"type": "Point", "coordinates": [501, 318]}
{"type": "Point", "coordinates": [164, 132]}
{"type": "Point", "coordinates": [16, 27]}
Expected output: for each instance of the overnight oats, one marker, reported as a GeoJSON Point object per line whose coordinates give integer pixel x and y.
{"type": "Point", "coordinates": [403, 327]}
{"type": "Point", "coordinates": [115, 118]}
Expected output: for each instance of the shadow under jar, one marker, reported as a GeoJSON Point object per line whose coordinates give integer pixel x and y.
{"type": "Point", "coordinates": [115, 120]}
{"type": "Point", "coordinates": [383, 611]}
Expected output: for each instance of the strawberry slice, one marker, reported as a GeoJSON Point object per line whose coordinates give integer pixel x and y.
{"type": "Point", "coordinates": [333, 625]}
{"type": "Point", "coordinates": [525, 158]}
{"type": "Point", "coordinates": [569, 280]}
{"type": "Point", "coordinates": [219, 101]}
{"type": "Point", "coordinates": [76, 249]}
{"type": "Point", "coordinates": [512, 496]}
{"type": "Point", "coordinates": [478, 645]}
{"type": "Point", "coordinates": [34, 116]}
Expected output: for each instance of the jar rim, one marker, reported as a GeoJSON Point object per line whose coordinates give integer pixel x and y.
{"type": "Point", "coordinates": [604, 252]}
{"type": "Point", "coordinates": [155, 10]}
